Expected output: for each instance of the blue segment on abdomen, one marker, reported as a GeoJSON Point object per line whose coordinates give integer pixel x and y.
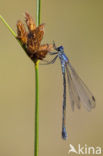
{"type": "Point", "coordinates": [64, 133]}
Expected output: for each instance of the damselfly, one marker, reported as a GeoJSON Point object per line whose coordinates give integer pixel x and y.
{"type": "Point", "coordinates": [78, 91]}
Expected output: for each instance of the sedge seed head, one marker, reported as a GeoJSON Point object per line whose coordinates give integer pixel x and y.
{"type": "Point", "coordinates": [31, 39]}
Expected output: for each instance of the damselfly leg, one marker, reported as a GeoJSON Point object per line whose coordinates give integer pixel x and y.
{"type": "Point", "coordinates": [49, 62]}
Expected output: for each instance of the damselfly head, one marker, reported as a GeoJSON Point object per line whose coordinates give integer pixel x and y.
{"type": "Point", "coordinates": [61, 48]}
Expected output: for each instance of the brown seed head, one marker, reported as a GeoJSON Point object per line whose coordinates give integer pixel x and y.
{"type": "Point", "coordinates": [30, 22]}
{"type": "Point", "coordinates": [43, 50]}
{"type": "Point", "coordinates": [38, 33]}
{"type": "Point", "coordinates": [21, 31]}
{"type": "Point", "coordinates": [32, 39]}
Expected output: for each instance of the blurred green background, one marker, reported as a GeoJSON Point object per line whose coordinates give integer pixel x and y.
{"type": "Point", "coordinates": [78, 25]}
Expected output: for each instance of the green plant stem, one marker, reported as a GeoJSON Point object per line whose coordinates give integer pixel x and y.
{"type": "Point", "coordinates": [36, 137]}
{"type": "Point", "coordinates": [10, 29]}
{"type": "Point", "coordinates": [38, 10]}
{"type": "Point", "coordinates": [6, 24]}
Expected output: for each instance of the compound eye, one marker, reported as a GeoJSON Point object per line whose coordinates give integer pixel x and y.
{"type": "Point", "coordinates": [61, 48]}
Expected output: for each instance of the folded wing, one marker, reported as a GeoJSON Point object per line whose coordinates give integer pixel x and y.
{"type": "Point", "coordinates": [74, 96]}
{"type": "Point", "coordinates": [85, 95]}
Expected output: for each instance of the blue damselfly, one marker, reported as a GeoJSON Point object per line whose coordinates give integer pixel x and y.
{"type": "Point", "coordinates": [78, 91]}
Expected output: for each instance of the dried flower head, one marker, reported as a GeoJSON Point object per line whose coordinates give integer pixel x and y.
{"type": "Point", "coordinates": [21, 31]}
{"type": "Point", "coordinates": [31, 39]}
